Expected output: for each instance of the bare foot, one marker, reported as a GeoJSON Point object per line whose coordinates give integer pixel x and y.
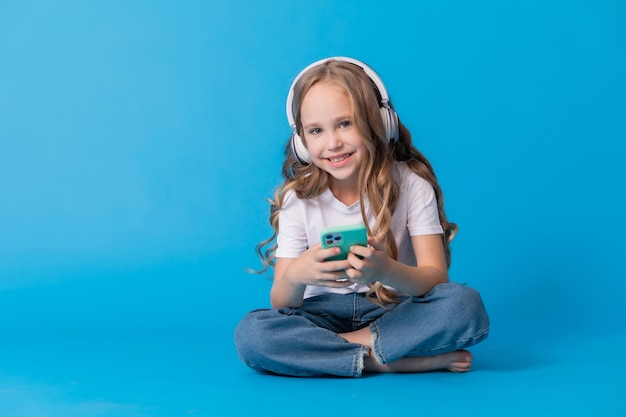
{"type": "Point", "coordinates": [459, 361]}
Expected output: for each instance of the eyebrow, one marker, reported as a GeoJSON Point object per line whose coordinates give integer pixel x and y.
{"type": "Point", "coordinates": [335, 121]}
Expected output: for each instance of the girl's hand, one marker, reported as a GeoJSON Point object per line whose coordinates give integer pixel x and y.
{"type": "Point", "coordinates": [292, 275]}
{"type": "Point", "coordinates": [311, 268]}
{"type": "Point", "coordinates": [367, 264]}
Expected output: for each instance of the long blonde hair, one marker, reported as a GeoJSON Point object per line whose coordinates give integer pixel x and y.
{"type": "Point", "coordinates": [375, 176]}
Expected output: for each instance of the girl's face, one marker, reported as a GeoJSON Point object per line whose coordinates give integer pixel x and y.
{"type": "Point", "coordinates": [334, 142]}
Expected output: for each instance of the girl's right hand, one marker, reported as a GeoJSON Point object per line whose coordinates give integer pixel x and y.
{"type": "Point", "coordinates": [312, 268]}
{"type": "Point", "coordinates": [292, 275]}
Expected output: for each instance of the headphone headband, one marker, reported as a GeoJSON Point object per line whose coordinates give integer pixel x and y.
{"type": "Point", "coordinates": [369, 71]}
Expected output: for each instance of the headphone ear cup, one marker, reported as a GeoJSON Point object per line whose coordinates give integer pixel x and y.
{"type": "Point", "coordinates": [384, 113]}
{"type": "Point", "coordinates": [395, 125]}
{"type": "Point", "coordinates": [300, 152]}
{"type": "Point", "coordinates": [390, 121]}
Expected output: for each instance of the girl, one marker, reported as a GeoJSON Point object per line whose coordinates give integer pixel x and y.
{"type": "Point", "coordinates": [388, 307]}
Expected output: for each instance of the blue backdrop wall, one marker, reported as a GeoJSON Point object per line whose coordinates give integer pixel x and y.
{"type": "Point", "coordinates": [140, 139]}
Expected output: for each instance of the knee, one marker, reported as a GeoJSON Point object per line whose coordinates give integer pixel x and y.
{"type": "Point", "coordinates": [245, 337]}
{"type": "Point", "coordinates": [464, 306]}
{"type": "Point", "coordinates": [253, 336]}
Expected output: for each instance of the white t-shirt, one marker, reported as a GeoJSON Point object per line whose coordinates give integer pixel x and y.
{"type": "Point", "coordinates": [302, 220]}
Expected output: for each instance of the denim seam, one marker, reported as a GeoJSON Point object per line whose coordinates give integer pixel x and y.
{"type": "Point", "coordinates": [356, 313]}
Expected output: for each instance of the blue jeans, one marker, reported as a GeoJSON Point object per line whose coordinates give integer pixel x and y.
{"type": "Point", "coordinates": [304, 342]}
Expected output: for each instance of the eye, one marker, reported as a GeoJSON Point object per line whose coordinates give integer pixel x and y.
{"type": "Point", "coordinates": [315, 131]}
{"type": "Point", "coordinates": [345, 123]}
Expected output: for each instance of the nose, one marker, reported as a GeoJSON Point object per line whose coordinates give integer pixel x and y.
{"type": "Point", "coordinates": [334, 140]}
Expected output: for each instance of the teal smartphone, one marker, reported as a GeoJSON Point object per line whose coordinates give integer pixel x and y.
{"type": "Point", "coordinates": [344, 237]}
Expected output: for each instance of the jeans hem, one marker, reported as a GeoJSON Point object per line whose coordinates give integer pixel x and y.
{"type": "Point", "coordinates": [458, 344]}
{"type": "Point", "coordinates": [375, 345]}
{"type": "Point", "coordinates": [359, 364]}
{"type": "Point", "coordinates": [450, 347]}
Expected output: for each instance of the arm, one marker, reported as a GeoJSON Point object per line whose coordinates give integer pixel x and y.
{"type": "Point", "coordinates": [376, 265]}
{"type": "Point", "coordinates": [284, 293]}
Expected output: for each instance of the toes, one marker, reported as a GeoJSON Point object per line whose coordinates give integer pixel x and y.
{"type": "Point", "coordinates": [460, 366]}
{"type": "Point", "coordinates": [463, 362]}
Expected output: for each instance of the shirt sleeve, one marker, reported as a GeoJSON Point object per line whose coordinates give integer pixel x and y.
{"type": "Point", "coordinates": [423, 213]}
{"type": "Point", "coordinates": [291, 239]}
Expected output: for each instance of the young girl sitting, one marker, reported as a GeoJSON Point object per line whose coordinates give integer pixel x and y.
{"type": "Point", "coordinates": [388, 307]}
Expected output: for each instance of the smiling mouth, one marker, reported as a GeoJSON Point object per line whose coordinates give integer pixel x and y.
{"type": "Point", "coordinates": [339, 158]}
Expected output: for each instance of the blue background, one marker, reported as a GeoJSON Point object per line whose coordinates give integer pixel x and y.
{"type": "Point", "coordinates": [140, 139]}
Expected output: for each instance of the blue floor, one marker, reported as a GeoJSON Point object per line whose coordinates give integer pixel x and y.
{"type": "Point", "coordinates": [181, 376]}
{"type": "Point", "coordinates": [84, 349]}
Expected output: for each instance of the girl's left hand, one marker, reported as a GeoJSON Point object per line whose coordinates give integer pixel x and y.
{"type": "Point", "coordinates": [368, 264]}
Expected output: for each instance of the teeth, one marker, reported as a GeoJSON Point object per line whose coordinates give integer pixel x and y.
{"type": "Point", "coordinates": [338, 159]}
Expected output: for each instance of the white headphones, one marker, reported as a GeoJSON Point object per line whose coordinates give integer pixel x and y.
{"type": "Point", "coordinates": [390, 118]}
